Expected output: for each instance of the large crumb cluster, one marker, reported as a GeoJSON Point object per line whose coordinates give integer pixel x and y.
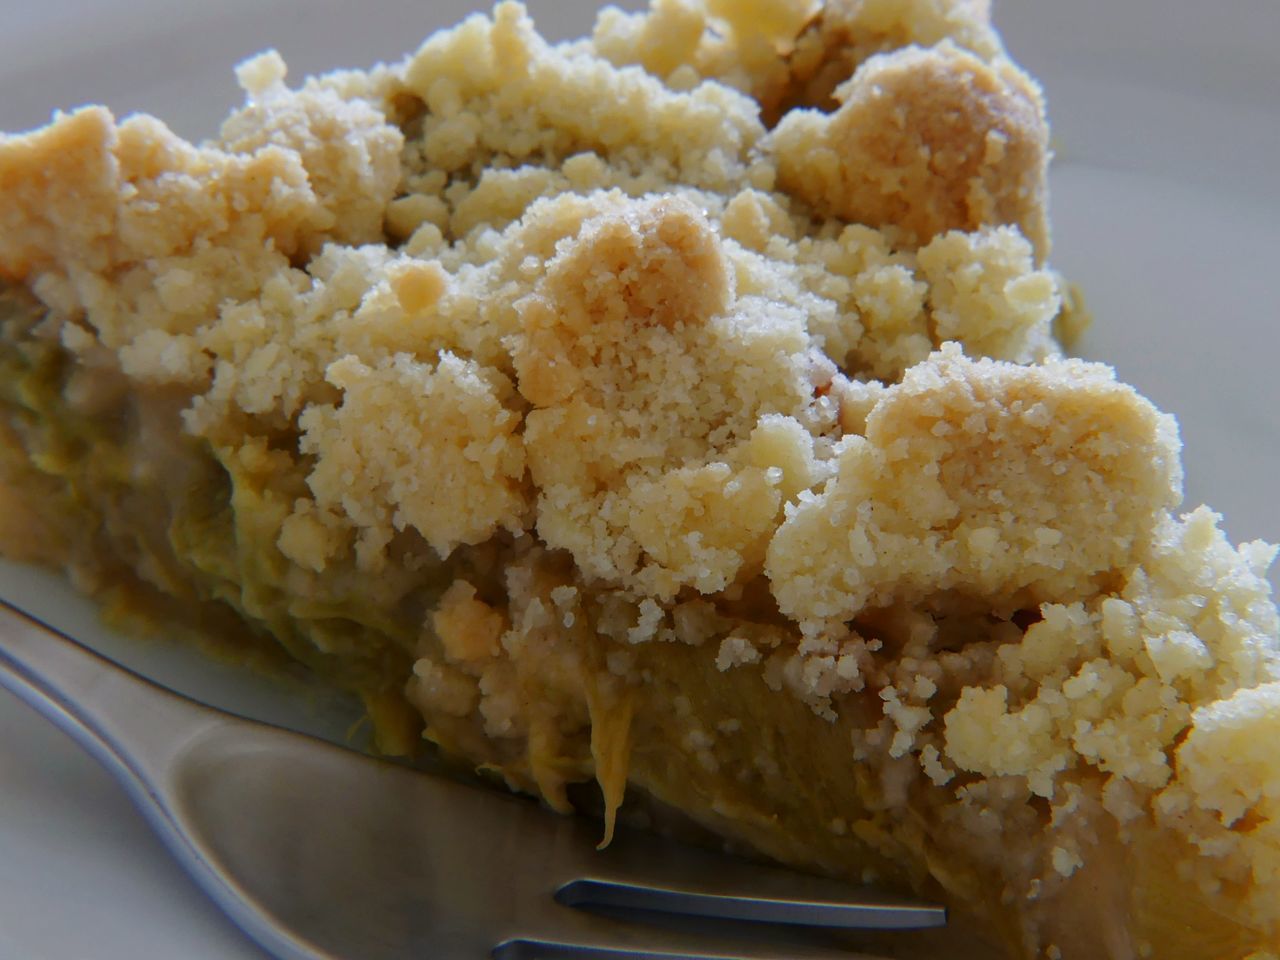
{"type": "Point", "coordinates": [611, 401]}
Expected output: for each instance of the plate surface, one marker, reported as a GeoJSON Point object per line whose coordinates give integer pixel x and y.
{"type": "Point", "coordinates": [1167, 121]}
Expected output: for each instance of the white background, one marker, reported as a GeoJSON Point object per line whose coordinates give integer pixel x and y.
{"type": "Point", "coordinates": [1165, 209]}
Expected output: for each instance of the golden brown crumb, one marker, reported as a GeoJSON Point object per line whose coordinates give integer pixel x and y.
{"type": "Point", "coordinates": [924, 141]}
{"type": "Point", "coordinates": [982, 478]}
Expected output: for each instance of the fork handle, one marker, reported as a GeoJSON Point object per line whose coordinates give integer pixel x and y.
{"type": "Point", "coordinates": [133, 727]}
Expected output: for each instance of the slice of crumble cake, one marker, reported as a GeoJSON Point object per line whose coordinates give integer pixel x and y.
{"type": "Point", "coordinates": [680, 409]}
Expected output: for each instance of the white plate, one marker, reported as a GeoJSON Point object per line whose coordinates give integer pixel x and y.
{"type": "Point", "coordinates": [1165, 208]}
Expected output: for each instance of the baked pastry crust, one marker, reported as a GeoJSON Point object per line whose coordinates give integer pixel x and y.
{"type": "Point", "coordinates": [678, 409]}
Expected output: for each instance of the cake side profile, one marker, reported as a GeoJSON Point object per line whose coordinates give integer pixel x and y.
{"type": "Point", "coordinates": [677, 409]}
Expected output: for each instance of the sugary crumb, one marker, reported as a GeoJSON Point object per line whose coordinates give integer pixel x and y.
{"type": "Point", "coordinates": [734, 652]}
{"type": "Point", "coordinates": [1066, 862]}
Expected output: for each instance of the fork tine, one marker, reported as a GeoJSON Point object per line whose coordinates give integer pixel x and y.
{"type": "Point", "coordinates": [832, 906]}
{"type": "Point", "coordinates": [633, 874]}
{"type": "Point", "coordinates": [540, 950]}
{"type": "Point", "coordinates": [579, 935]}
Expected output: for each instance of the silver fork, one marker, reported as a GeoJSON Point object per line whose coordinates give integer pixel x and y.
{"type": "Point", "coordinates": [320, 853]}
